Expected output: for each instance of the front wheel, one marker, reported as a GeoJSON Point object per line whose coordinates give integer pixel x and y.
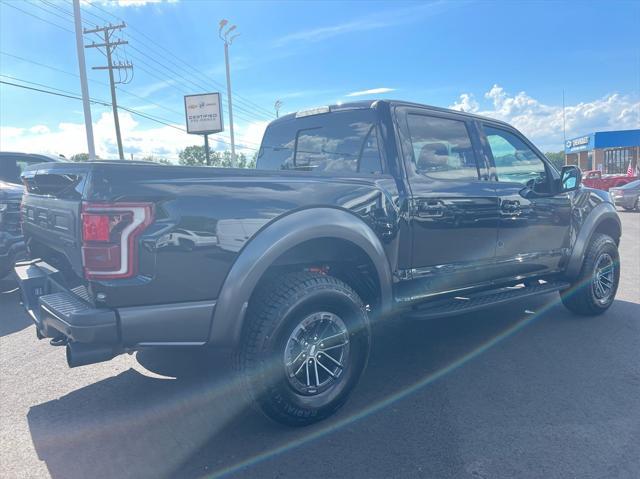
{"type": "Point", "coordinates": [304, 348]}
{"type": "Point", "coordinates": [595, 288]}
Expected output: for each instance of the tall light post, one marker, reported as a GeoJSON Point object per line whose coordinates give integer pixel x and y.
{"type": "Point", "coordinates": [228, 40]}
{"type": "Point", "coordinates": [277, 105]}
{"type": "Point", "coordinates": [83, 80]}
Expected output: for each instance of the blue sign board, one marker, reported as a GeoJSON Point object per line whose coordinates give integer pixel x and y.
{"type": "Point", "coordinates": [603, 139]}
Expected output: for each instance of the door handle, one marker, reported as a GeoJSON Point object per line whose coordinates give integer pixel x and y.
{"type": "Point", "coordinates": [431, 209]}
{"type": "Point", "coordinates": [511, 207]}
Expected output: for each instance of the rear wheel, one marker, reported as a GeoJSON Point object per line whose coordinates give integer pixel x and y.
{"type": "Point", "coordinates": [595, 288]}
{"type": "Point", "coordinates": [305, 346]}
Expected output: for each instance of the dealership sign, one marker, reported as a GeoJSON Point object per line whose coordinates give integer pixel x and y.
{"type": "Point", "coordinates": [203, 113]}
{"type": "Point", "coordinates": [584, 140]}
{"type": "Point", "coordinates": [578, 144]}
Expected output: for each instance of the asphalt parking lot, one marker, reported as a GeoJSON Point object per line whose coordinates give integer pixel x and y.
{"type": "Point", "coordinates": [524, 390]}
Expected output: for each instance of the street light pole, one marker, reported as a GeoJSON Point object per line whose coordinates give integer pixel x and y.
{"type": "Point", "coordinates": [233, 143]}
{"type": "Point", "coordinates": [83, 80]}
{"type": "Point", "coordinates": [228, 41]}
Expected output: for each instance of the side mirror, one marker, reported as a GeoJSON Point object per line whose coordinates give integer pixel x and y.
{"type": "Point", "coordinates": [570, 178]}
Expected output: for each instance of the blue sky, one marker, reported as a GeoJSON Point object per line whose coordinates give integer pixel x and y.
{"type": "Point", "coordinates": [509, 60]}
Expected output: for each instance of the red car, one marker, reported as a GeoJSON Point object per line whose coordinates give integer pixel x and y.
{"type": "Point", "coordinates": [595, 179]}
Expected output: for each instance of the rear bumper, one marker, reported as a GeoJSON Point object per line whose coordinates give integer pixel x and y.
{"type": "Point", "coordinates": [57, 311]}
{"type": "Point", "coordinates": [61, 312]}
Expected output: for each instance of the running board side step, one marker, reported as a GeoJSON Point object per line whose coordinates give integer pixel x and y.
{"type": "Point", "coordinates": [473, 302]}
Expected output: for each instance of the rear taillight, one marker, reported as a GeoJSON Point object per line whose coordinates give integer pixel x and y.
{"type": "Point", "coordinates": [110, 235]}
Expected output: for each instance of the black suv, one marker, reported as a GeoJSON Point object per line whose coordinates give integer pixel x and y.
{"type": "Point", "coordinates": [354, 212]}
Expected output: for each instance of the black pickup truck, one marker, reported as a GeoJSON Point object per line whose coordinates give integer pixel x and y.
{"type": "Point", "coordinates": [355, 213]}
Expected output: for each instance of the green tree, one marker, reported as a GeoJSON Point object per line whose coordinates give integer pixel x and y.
{"type": "Point", "coordinates": [157, 159]}
{"type": "Point", "coordinates": [80, 157]}
{"type": "Point", "coordinates": [195, 156]}
{"type": "Point", "coordinates": [556, 158]}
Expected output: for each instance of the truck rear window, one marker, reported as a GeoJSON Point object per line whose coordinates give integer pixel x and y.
{"type": "Point", "coordinates": [337, 142]}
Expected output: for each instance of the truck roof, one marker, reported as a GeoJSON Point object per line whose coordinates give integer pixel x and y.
{"type": "Point", "coordinates": [20, 154]}
{"type": "Point", "coordinates": [364, 104]}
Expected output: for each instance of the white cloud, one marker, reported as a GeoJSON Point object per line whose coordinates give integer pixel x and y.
{"type": "Point", "coordinates": [324, 33]}
{"type": "Point", "coordinates": [9, 132]}
{"type": "Point", "coordinates": [155, 87]}
{"type": "Point", "coordinates": [134, 3]}
{"type": "Point", "coordinates": [163, 141]}
{"type": "Point", "coordinates": [466, 102]}
{"type": "Point", "coordinates": [543, 123]}
{"type": "Point", "coordinates": [374, 21]}
{"type": "Point", "coordinates": [372, 91]}
{"type": "Point", "coordinates": [250, 134]}
{"type": "Point", "coordinates": [39, 129]}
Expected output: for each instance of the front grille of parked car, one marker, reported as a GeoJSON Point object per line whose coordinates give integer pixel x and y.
{"type": "Point", "coordinates": [10, 218]}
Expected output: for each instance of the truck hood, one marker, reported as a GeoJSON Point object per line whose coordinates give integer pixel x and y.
{"type": "Point", "coordinates": [10, 191]}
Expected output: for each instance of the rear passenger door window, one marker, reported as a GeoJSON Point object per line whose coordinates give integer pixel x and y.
{"type": "Point", "coordinates": [441, 148]}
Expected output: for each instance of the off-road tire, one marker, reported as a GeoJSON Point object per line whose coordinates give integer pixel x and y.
{"type": "Point", "coordinates": [276, 309]}
{"type": "Point", "coordinates": [580, 298]}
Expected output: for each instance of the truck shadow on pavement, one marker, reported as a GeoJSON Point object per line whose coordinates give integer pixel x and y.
{"type": "Point", "coordinates": [182, 414]}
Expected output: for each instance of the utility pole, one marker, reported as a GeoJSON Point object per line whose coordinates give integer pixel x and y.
{"type": "Point", "coordinates": [277, 105]}
{"type": "Point", "coordinates": [206, 149]}
{"type": "Point", "coordinates": [228, 40]}
{"type": "Point", "coordinates": [109, 47]}
{"type": "Point", "coordinates": [564, 129]}
{"type": "Point", "coordinates": [88, 124]}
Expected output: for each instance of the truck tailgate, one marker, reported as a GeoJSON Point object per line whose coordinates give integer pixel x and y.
{"type": "Point", "coordinates": [51, 211]}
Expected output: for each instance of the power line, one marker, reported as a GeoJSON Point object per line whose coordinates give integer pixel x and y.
{"type": "Point", "coordinates": [51, 12]}
{"type": "Point", "coordinates": [171, 72]}
{"type": "Point", "coordinates": [67, 94]}
{"type": "Point", "coordinates": [92, 81]}
{"type": "Point", "coordinates": [244, 142]}
{"type": "Point", "coordinates": [39, 84]}
{"type": "Point", "coordinates": [192, 82]}
{"type": "Point", "coordinates": [75, 97]}
{"type": "Point", "coordinates": [163, 49]}
{"type": "Point", "coordinates": [56, 7]}
{"type": "Point", "coordinates": [254, 116]}
{"type": "Point", "coordinates": [169, 84]}
{"type": "Point", "coordinates": [249, 106]}
{"type": "Point", "coordinates": [36, 16]}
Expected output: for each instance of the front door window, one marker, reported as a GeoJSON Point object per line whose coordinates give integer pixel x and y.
{"type": "Point", "coordinates": [515, 162]}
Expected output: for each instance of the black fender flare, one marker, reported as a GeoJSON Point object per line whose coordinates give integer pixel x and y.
{"type": "Point", "coordinates": [603, 212]}
{"type": "Point", "coordinates": [274, 240]}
